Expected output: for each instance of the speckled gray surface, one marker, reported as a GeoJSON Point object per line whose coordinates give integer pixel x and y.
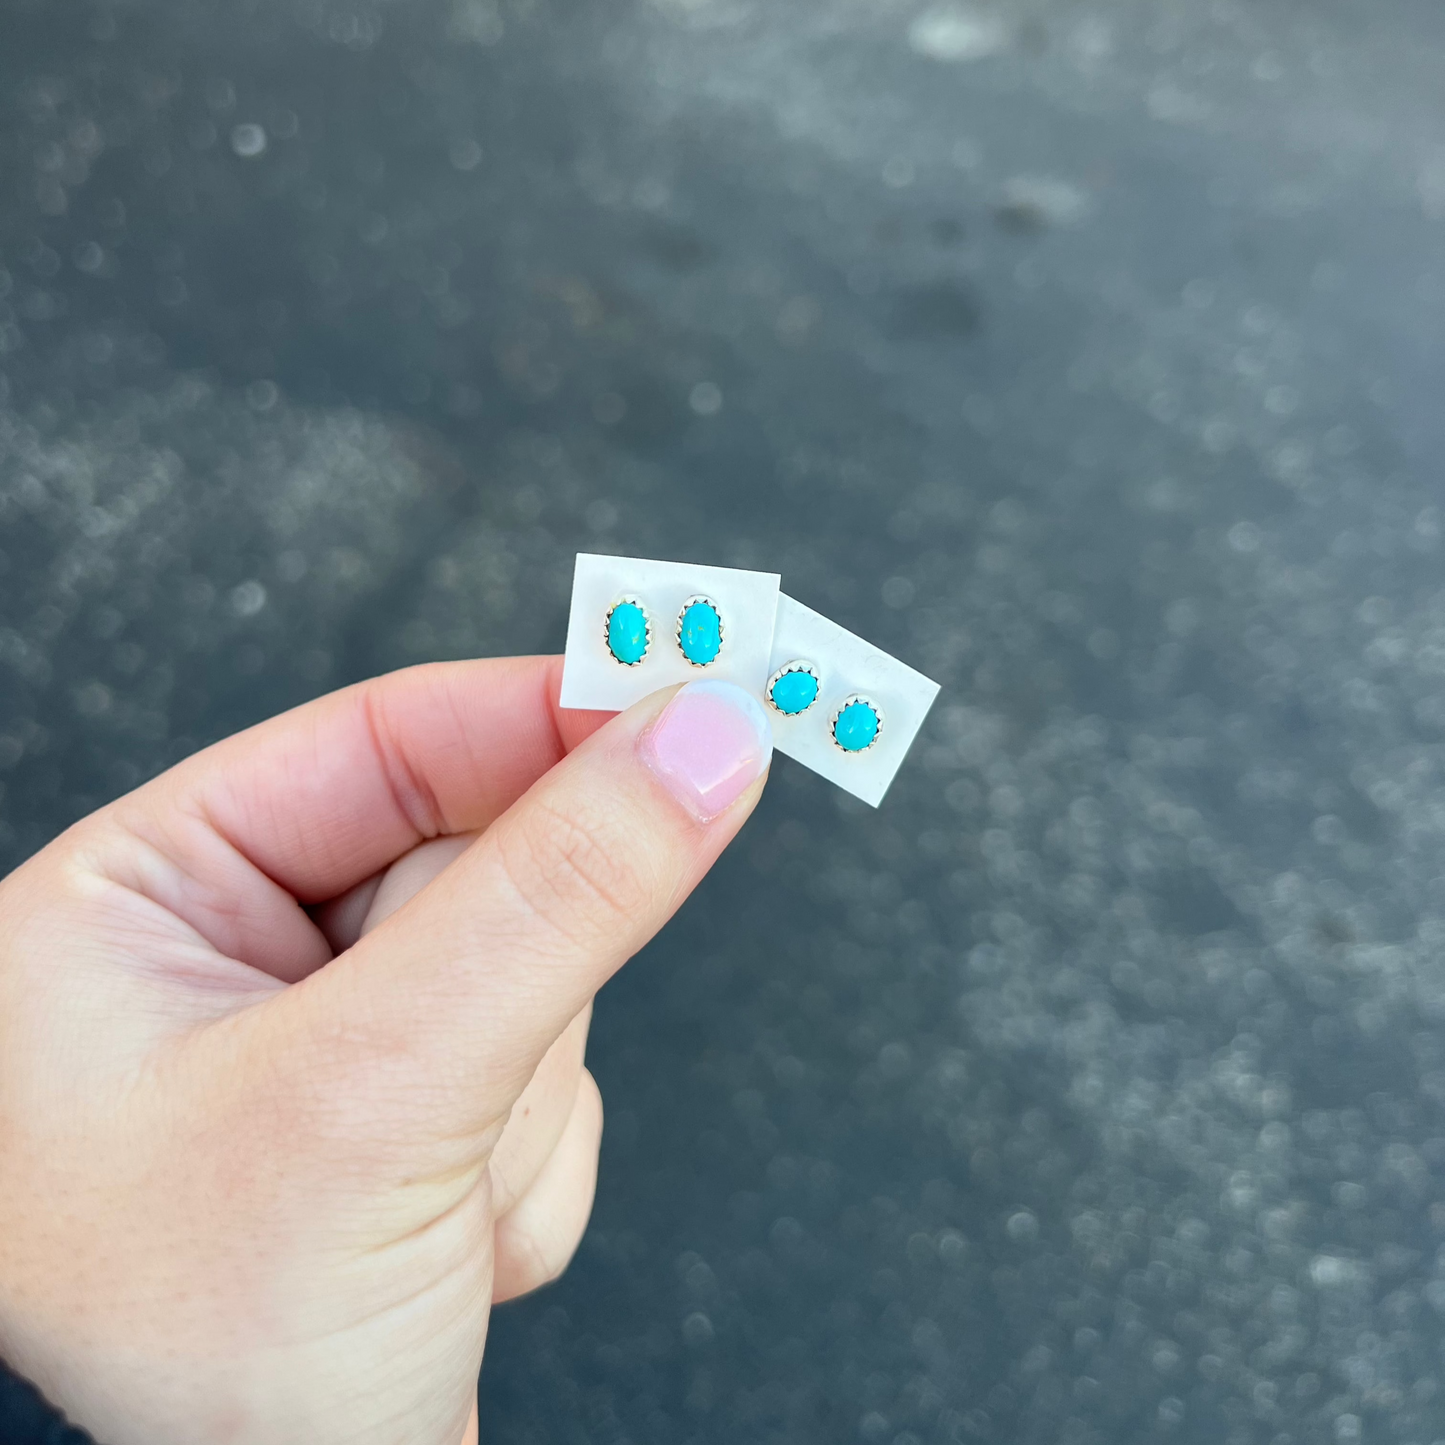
{"type": "Point", "coordinates": [1089, 358]}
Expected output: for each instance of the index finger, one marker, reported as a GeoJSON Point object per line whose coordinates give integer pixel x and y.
{"type": "Point", "coordinates": [323, 796]}
{"type": "Point", "coordinates": [235, 840]}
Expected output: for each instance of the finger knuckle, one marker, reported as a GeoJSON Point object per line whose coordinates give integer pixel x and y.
{"type": "Point", "coordinates": [547, 1259]}
{"type": "Point", "coordinates": [574, 870]}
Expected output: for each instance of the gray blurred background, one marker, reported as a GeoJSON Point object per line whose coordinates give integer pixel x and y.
{"type": "Point", "coordinates": [1087, 356]}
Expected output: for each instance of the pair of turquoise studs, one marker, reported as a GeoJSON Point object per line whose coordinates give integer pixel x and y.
{"type": "Point", "coordinates": [854, 727]}
{"type": "Point", "coordinates": [791, 690]}
{"type": "Point", "coordinates": [628, 631]}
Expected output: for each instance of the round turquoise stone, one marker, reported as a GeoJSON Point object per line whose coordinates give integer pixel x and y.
{"type": "Point", "coordinates": [794, 692]}
{"type": "Point", "coordinates": [856, 727]}
{"type": "Point", "coordinates": [627, 633]}
{"type": "Point", "coordinates": [700, 634]}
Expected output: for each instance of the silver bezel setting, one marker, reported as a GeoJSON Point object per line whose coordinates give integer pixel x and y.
{"type": "Point", "coordinates": [797, 665]}
{"type": "Point", "coordinates": [838, 712]}
{"type": "Point", "coordinates": [641, 606]}
{"type": "Point", "coordinates": [721, 629]}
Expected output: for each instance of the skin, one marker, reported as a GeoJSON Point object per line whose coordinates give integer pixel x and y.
{"type": "Point", "coordinates": [291, 1056]}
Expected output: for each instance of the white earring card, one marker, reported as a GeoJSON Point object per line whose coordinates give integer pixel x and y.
{"type": "Point", "coordinates": [744, 604]}
{"type": "Point", "coordinates": [851, 673]}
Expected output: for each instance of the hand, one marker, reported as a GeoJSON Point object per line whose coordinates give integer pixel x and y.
{"type": "Point", "coordinates": [291, 1038]}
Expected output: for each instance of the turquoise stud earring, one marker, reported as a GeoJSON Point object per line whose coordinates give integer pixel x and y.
{"type": "Point", "coordinates": [857, 724]}
{"type": "Point", "coordinates": [793, 688]}
{"type": "Point", "coordinates": [700, 631]}
{"type": "Point", "coordinates": [627, 631]}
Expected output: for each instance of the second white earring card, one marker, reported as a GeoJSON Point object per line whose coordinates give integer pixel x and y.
{"type": "Point", "coordinates": [839, 705]}
{"type": "Point", "coordinates": [638, 625]}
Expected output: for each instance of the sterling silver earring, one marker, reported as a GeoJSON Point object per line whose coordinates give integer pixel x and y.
{"type": "Point", "coordinates": [627, 631]}
{"type": "Point", "coordinates": [793, 688]}
{"type": "Point", "coordinates": [857, 723]}
{"type": "Point", "coordinates": [700, 630]}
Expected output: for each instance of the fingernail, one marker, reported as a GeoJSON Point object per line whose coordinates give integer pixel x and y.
{"type": "Point", "coordinates": [708, 746]}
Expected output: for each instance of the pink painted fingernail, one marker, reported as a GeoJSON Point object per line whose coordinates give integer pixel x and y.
{"type": "Point", "coordinates": [710, 743]}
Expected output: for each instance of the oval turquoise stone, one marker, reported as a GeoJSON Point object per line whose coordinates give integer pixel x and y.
{"type": "Point", "coordinates": [794, 692]}
{"type": "Point", "coordinates": [856, 727]}
{"type": "Point", "coordinates": [700, 635]}
{"type": "Point", "coordinates": [627, 633]}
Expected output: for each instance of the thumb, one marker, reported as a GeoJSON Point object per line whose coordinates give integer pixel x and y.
{"type": "Point", "coordinates": [466, 986]}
